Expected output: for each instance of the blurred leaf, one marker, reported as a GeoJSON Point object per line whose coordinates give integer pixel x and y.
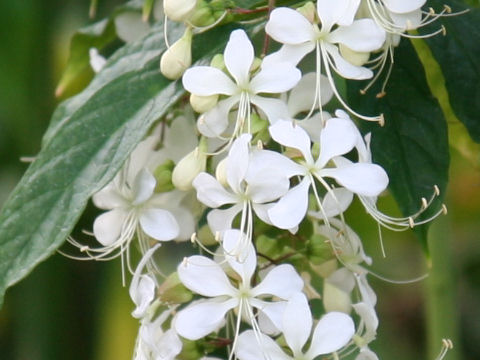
{"type": "Point", "coordinates": [413, 145]}
{"type": "Point", "coordinates": [90, 138]}
{"type": "Point", "coordinates": [97, 35]}
{"type": "Point", "coordinates": [458, 56]}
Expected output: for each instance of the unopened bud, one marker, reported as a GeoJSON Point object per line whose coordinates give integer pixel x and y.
{"type": "Point", "coordinates": [202, 104]}
{"type": "Point", "coordinates": [178, 57]}
{"type": "Point", "coordinates": [335, 299]}
{"type": "Point", "coordinates": [221, 172]}
{"type": "Point", "coordinates": [189, 167]}
{"type": "Point", "coordinates": [163, 175]}
{"type": "Point", "coordinates": [179, 10]}
{"type": "Point", "coordinates": [309, 10]}
{"type": "Point", "coordinates": [173, 291]}
{"type": "Point", "coordinates": [354, 57]}
{"type": "Point", "coordinates": [218, 62]}
{"type": "Point", "coordinates": [202, 15]}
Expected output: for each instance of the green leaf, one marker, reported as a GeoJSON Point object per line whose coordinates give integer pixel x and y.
{"type": "Point", "coordinates": [90, 137]}
{"type": "Point", "coordinates": [458, 56]}
{"type": "Point", "coordinates": [413, 145]}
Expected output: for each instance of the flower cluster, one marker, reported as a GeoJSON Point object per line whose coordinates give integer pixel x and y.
{"type": "Point", "coordinates": [262, 190]}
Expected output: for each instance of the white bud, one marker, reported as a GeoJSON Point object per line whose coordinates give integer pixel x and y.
{"type": "Point", "coordinates": [202, 104]}
{"type": "Point", "coordinates": [97, 61]}
{"type": "Point", "coordinates": [335, 299]}
{"type": "Point", "coordinates": [354, 57]}
{"type": "Point", "coordinates": [188, 168]}
{"type": "Point", "coordinates": [179, 10]}
{"type": "Point", "coordinates": [221, 172]}
{"type": "Point", "coordinates": [178, 57]}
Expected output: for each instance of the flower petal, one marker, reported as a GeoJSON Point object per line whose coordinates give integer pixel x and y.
{"type": "Point", "coordinates": [143, 186]}
{"type": "Point", "coordinates": [237, 162]}
{"type": "Point", "coordinates": [336, 201]}
{"type": "Point", "coordinates": [238, 56]}
{"type": "Point", "coordinates": [210, 192]}
{"type": "Point", "coordinates": [282, 281]}
{"type": "Point", "coordinates": [265, 161]}
{"type": "Point", "coordinates": [220, 220]}
{"type": "Point", "coordinates": [274, 109]}
{"type": "Point", "coordinates": [207, 80]}
{"type": "Point", "coordinates": [292, 54]}
{"type": "Point", "coordinates": [362, 179]}
{"type": "Point", "coordinates": [364, 35]}
{"type": "Point", "coordinates": [269, 81]}
{"type": "Point", "coordinates": [290, 210]}
{"type": "Point", "coordinates": [343, 67]}
{"type": "Point", "coordinates": [201, 318]}
{"type": "Point", "coordinates": [109, 197]}
{"type": "Point", "coordinates": [249, 348]}
{"type": "Point", "coordinates": [285, 132]}
{"type": "Point", "coordinates": [333, 331]}
{"type": "Point", "coordinates": [205, 277]}
{"type": "Point", "coordinates": [159, 224]}
{"type": "Point", "coordinates": [337, 138]}
{"type": "Point", "coordinates": [403, 6]}
{"type": "Point", "coordinates": [297, 322]}
{"type": "Point", "coordinates": [215, 121]}
{"type": "Point", "coordinates": [288, 26]}
{"type": "Point", "coordinates": [243, 261]}
{"type": "Point", "coordinates": [107, 227]}
{"type": "Point", "coordinates": [336, 12]}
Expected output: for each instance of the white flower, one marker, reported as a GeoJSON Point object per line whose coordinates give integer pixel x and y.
{"type": "Point", "coordinates": [207, 278]}
{"type": "Point", "coordinates": [333, 331]}
{"type": "Point", "coordinates": [337, 138]}
{"type": "Point", "coordinates": [97, 61]}
{"type": "Point", "coordinates": [241, 90]}
{"type": "Point", "coordinates": [338, 26]}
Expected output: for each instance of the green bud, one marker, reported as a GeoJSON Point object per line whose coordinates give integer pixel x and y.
{"type": "Point", "coordinates": [218, 62]}
{"type": "Point", "coordinates": [163, 175]}
{"type": "Point", "coordinates": [257, 62]}
{"type": "Point", "coordinates": [203, 15]}
{"type": "Point", "coordinates": [172, 291]}
{"type": "Point", "coordinates": [354, 57]}
{"type": "Point", "coordinates": [309, 10]}
{"type": "Point", "coordinates": [178, 57]}
{"type": "Point", "coordinates": [202, 104]}
{"type": "Point", "coordinates": [257, 123]}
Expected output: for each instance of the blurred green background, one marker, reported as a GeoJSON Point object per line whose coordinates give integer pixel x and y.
{"type": "Point", "coordinates": [78, 310]}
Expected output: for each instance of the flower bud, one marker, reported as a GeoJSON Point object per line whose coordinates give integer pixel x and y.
{"type": "Point", "coordinates": [335, 299]}
{"type": "Point", "coordinates": [221, 172]}
{"type": "Point", "coordinates": [163, 175]}
{"type": "Point", "coordinates": [178, 57]}
{"type": "Point", "coordinates": [354, 57]}
{"type": "Point", "coordinates": [202, 104]}
{"type": "Point", "coordinates": [309, 10]}
{"type": "Point", "coordinates": [173, 291]}
{"type": "Point", "coordinates": [189, 167]}
{"type": "Point", "coordinates": [202, 16]}
{"type": "Point", "coordinates": [218, 62]}
{"type": "Point", "coordinates": [179, 10]}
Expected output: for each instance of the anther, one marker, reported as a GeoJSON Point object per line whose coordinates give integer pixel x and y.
{"type": "Point", "coordinates": [381, 120]}
{"type": "Point", "coordinates": [431, 11]}
{"type": "Point", "coordinates": [424, 203]}
{"type": "Point", "coordinates": [444, 30]}
{"type": "Point", "coordinates": [84, 248]}
{"type": "Point", "coordinates": [363, 91]}
{"type": "Point", "coordinates": [444, 209]}
{"type": "Point", "coordinates": [447, 8]}
{"type": "Point", "coordinates": [436, 189]}
{"type": "Point", "coordinates": [380, 94]}
{"type": "Point", "coordinates": [411, 222]}
{"type": "Point", "coordinates": [193, 238]}
{"type": "Point", "coordinates": [259, 145]}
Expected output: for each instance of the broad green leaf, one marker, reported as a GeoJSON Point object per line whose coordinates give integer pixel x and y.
{"type": "Point", "coordinates": [91, 136]}
{"type": "Point", "coordinates": [413, 145]}
{"type": "Point", "coordinates": [458, 55]}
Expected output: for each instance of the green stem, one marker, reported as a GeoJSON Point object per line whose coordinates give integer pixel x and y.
{"type": "Point", "coordinates": [441, 304]}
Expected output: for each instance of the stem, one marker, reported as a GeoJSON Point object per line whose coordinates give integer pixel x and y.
{"type": "Point", "coordinates": [441, 305]}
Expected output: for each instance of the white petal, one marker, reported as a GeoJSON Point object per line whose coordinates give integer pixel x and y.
{"type": "Point", "coordinates": [107, 227]}
{"type": "Point", "coordinates": [185, 218]}
{"type": "Point", "coordinates": [268, 186]}
{"type": "Point", "coordinates": [270, 315]}
{"type": "Point", "coordinates": [168, 346]}
{"type": "Point", "coordinates": [366, 354]}
{"type": "Point", "coordinates": [344, 68]}
{"type": "Point", "coordinates": [288, 26]}
{"type": "Point", "coordinates": [336, 201]}
{"type": "Point", "coordinates": [276, 78]}
{"type": "Point", "coordinates": [201, 318]}
{"type": "Point", "coordinates": [274, 109]}
{"type": "Point", "coordinates": [369, 317]}
{"type": "Point", "coordinates": [237, 162]}
{"type": "Point", "coordinates": [220, 220]}
{"type": "Point", "coordinates": [262, 161]}
{"type": "Point", "coordinates": [143, 186]}
{"type": "Point", "coordinates": [109, 197]}
{"type": "Point", "coordinates": [407, 21]}
{"type": "Point", "coordinates": [238, 56]}
{"type": "Point", "coordinates": [159, 224]}
{"type": "Point", "coordinates": [363, 35]}
{"type": "Point", "coordinates": [313, 125]}
{"type": "Point", "coordinates": [285, 132]}
{"type": "Point", "coordinates": [403, 6]}
{"type": "Point", "coordinates": [290, 210]}
{"type": "Point", "coordinates": [289, 53]}
{"type": "Point", "coordinates": [215, 121]}
{"type": "Point", "coordinates": [282, 281]}
{"type": "Point", "coordinates": [204, 276]}
{"type": "Point", "coordinates": [337, 138]}
{"type": "Point", "coordinates": [142, 295]}
{"type": "Point", "coordinates": [243, 261]}
{"type": "Point", "coordinates": [301, 97]}
{"type": "Point", "coordinates": [210, 192]}
{"type": "Point", "coordinates": [333, 331]}
{"type": "Point", "coordinates": [249, 348]}
{"type": "Point", "coordinates": [297, 322]}
{"type": "Point", "coordinates": [362, 179]}
{"type": "Point", "coordinates": [335, 12]}
{"type": "Point", "coordinates": [207, 80]}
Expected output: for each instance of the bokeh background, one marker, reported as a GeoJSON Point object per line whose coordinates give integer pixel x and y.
{"type": "Point", "coordinates": [69, 309]}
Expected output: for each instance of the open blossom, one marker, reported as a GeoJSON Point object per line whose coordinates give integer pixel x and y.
{"type": "Point", "coordinates": [333, 331]}
{"type": "Point", "coordinates": [207, 278]}
{"type": "Point", "coordinates": [240, 88]}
